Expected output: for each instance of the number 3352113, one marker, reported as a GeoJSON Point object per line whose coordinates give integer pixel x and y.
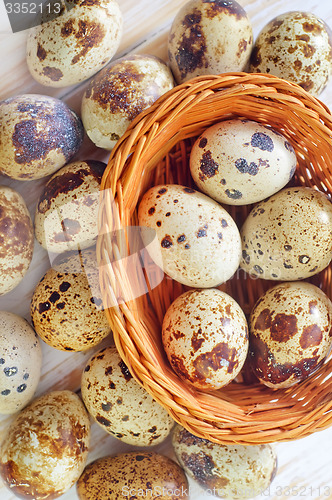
{"type": "Point", "coordinates": [32, 8]}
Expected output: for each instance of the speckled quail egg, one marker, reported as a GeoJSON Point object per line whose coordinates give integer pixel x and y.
{"type": "Point", "coordinates": [238, 162]}
{"type": "Point", "coordinates": [119, 404]}
{"type": "Point", "coordinates": [66, 215]}
{"type": "Point", "coordinates": [75, 45]}
{"type": "Point", "coordinates": [20, 362]}
{"type": "Point", "coordinates": [296, 46]}
{"type": "Point", "coordinates": [198, 241]}
{"type": "Point", "coordinates": [205, 337]}
{"type": "Point", "coordinates": [16, 239]}
{"type": "Point", "coordinates": [45, 448]}
{"type": "Point", "coordinates": [119, 93]}
{"type": "Point", "coordinates": [133, 475]}
{"type": "Point", "coordinates": [66, 306]}
{"type": "Point", "coordinates": [38, 135]}
{"type": "Point", "coordinates": [232, 471]}
{"type": "Point", "coordinates": [209, 37]}
{"type": "Point", "coordinates": [288, 236]}
{"type": "Point", "coordinates": [290, 333]}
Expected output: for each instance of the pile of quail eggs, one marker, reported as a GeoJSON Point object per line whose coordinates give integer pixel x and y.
{"type": "Point", "coordinates": [207, 338]}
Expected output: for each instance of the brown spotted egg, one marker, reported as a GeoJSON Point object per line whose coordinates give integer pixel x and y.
{"type": "Point", "coordinates": [16, 239]}
{"type": "Point", "coordinates": [238, 162]}
{"type": "Point", "coordinates": [38, 135]}
{"type": "Point", "coordinates": [205, 337]}
{"type": "Point", "coordinates": [119, 404]}
{"type": "Point", "coordinates": [119, 93]}
{"type": "Point", "coordinates": [225, 471]}
{"type": "Point", "coordinates": [133, 475]}
{"type": "Point", "coordinates": [20, 362]}
{"type": "Point", "coordinates": [66, 215]}
{"type": "Point", "coordinates": [75, 45]}
{"type": "Point", "coordinates": [290, 333]}
{"type": "Point", "coordinates": [288, 236]}
{"type": "Point", "coordinates": [198, 241]}
{"type": "Point", "coordinates": [45, 448]}
{"type": "Point", "coordinates": [296, 46]}
{"type": "Point", "coordinates": [209, 38]}
{"type": "Point", "coordinates": [66, 307]}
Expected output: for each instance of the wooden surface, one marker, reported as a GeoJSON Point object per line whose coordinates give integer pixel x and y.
{"type": "Point", "coordinates": [304, 466]}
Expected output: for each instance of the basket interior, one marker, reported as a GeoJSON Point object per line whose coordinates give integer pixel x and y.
{"type": "Point", "coordinates": [155, 150]}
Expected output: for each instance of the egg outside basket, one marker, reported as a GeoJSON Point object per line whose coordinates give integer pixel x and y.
{"type": "Point", "coordinates": [155, 150]}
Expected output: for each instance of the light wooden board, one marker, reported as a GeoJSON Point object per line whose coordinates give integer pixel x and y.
{"type": "Point", "coordinates": [304, 466]}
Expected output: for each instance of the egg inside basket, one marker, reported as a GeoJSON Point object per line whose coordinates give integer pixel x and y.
{"type": "Point", "coordinates": [155, 149]}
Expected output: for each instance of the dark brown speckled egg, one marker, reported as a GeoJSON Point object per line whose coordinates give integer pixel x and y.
{"type": "Point", "coordinates": [290, 333]}
{"type": "Point", "coordinates": [233, 471]}
{"type": "Point", "coordinates": [296, 46]}
{"type": "Point", "coordinates": [209, 37]}
{"type": "Point", "coordinates": [133, 475]}
{"type": "Point", "coordinates": [16, 239]}
{"type": "Point", "coordinates": [45, 448]}
{"type": "Point", "coordinates": [38, 135]}
{"type": "Point", "coordinates": [66, 307]}
{"type": "Point", "coordinates": [205, 336]}
{"type": "Point", "coordinates": [66, 215]}
{"type": "Point", "coordinates": [75, 45]}
{"type": "Point", "coordinates": [119, 93]}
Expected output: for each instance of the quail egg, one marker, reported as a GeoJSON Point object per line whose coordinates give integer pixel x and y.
{"type": "Point", "coordinates": [290, 333]}
{"type": "Point", "coordinates": [296, 46]}
{"type": "Point", "coordinates": [198, 241]}
{"type": "Point", "coordinates": [209, 37]}
{"type": "Point", "coordinates": [45, 448]}
{"type": "Point", "coordinates": [76, 44]}
{"type": "Point", "coordinates": [133, 475]}
{"type": "Point", "coordinates": [66, 307]}
{"type": "Point", "coordinates": [119, 93]}
{"type": "Point", "coordinates": [119, 404]}
{"type": "Point", "coordinates": [39, 134]}
{"type": "Point", "coordinates": [20, 362]}
{"type": "Point", "coordinates": [205, 336]}
{"type": "Point", "coordinates": [16, 239]}
{"type": "Point", "coordinates": [225, 471]}
{"type": "Point", "coordinates": [288, 236]}
{"type": "Point", "coordinates": [238, 162]}
{"type": "Point", "coordinates": [67, 210]}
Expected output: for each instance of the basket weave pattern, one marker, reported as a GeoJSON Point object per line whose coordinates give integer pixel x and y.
{"type": "Point", "coordinates": [155, 150]}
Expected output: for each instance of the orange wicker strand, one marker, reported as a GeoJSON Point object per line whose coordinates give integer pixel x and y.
{"type": "Point", "coordinates": [155, 149]}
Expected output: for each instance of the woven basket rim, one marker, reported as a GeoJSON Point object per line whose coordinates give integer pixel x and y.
{"type": "Point", "coordinates": [257, 415]}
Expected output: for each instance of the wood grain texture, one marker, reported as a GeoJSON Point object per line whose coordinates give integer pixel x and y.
{"type": "Point", "coordinates": [304, 466]}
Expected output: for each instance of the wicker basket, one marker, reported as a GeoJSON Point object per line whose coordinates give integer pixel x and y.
{"type": "Point", "coordinates": [155, 150]}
